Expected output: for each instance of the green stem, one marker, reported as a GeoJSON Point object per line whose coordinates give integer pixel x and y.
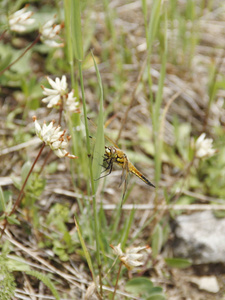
{"type": "Point", "coordinates": [96, 223]}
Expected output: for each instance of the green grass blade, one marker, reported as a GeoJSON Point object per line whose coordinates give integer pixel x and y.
{"type": "Point", "coordinates": [157, 106]}
{"type": "Point", "coordinates": [153, 24]}
{"type": "Point", "coordinates": [2, 201]}
{"type": "Point", "coordinates": [86, 253]}
{"type": "Point", "coordinates": [100, 141]}
{"type": "Point", "coordinates": [76, 30]}
{"type": "Point", "coordinates": [127, 227]}
{"type": "Point", "coordinates": [69, 43]}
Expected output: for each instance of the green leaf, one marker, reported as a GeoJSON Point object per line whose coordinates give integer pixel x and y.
{"type": "Point", "coordinates": [157, 240]}
{"type": "Point", "coordinates": [180, 263]}
{"type": "Point", "coordinates": [46, 280]}
{"type": "Point", "coordinates": [138, 286]}
{"type": "Point", "coordinates": [13, 220]}
{"type": "Point", "coordinates": [15, 265]}
{"type": "Point", "coordinates": [2, 201]}
{"type": "Point", "coordinates": [6, 61]}
{"type": "Point", "coordinates": [156, 297]}
{"type": "Point", "coordinates": [156, 294]}
{"type": "Point", "coordinates": [25, 170]}
{"type": "Point", "coordinates": [144, 287]}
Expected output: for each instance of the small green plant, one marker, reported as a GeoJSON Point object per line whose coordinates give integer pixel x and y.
{"type": "Point", "coordinates": [7, 280]}
{"type": "Point", "coordinates": [62, 242]}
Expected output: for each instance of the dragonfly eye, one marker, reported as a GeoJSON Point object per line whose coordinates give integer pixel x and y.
{"type": "Point", "coordinates": [107, 150]}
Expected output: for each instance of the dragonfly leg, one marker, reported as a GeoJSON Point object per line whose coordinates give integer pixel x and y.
{"type": "Point", "coordinates": [109, 167]}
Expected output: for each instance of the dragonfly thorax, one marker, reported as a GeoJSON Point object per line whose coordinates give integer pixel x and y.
{"type": "Point", "coordinates": [113, 154]}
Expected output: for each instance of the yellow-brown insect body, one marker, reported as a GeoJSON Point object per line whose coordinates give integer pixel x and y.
{"type": "Point", "coordinates": [115, 155]}
{"type": "Point", "coordinates": [135, 171]}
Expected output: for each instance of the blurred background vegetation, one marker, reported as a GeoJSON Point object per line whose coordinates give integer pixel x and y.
{"type": "Point", "coordinates": [154, 72]}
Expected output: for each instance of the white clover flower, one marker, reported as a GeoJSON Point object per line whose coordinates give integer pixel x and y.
{"type": "Point", "coordinates": [53, 137]}
{"type": "Point", "coordinates": [50, 34]}
{"type": "Point", "coordinates": [130, 258]}
{"type": "Point", "coordinates": [59, 95]}
{"type": "Point", "coordinates": [71, 104]}
{"type": "Point", "coordinates": [54, 95]}
{"type": "Point", "coordinates": [20, 20]}
{"type": "Point", "coordinates": [204, 147]}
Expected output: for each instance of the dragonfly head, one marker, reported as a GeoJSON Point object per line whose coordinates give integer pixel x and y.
{"type": "Point", "coordinates": [109, 151]}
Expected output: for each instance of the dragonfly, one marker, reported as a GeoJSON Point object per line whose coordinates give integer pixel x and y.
{"type": "Point", "coordinates": [114, 155]}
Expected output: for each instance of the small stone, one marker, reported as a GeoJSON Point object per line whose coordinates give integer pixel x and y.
{"type": "Point", "coordinates": [206, 283]}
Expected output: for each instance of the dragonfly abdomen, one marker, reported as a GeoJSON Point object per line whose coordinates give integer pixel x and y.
{"type": "Point", "coordinates": [135, 171]}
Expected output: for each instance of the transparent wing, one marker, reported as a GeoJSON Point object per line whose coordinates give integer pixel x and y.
{"type": "Point", "coordinates": [124, 177]}
{"type": "Point", "coordinates": [94, 127]}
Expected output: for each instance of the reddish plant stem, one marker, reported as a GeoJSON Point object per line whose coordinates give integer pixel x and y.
{"type": "Point", "coordinates": [25, 182]}
{"type": "Point", "coordinates": [28, 48]}
{"type": "Point", "coordinates": [45, 161]}
{"type": "Point", "coordinates": [118, 275]}
{"type": "Point", "coordinates": [17, 203]}
{"type": "Point", "coordinates": [2, 35]}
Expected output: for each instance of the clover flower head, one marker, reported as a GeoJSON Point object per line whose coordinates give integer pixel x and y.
{"type": "Point", "coordinates": [54, 137]}
{"type": "Point", "coordinates": [50, 34]}
{"type": "Point", "coordinates": [204, 147]}
{"type": "Point", "coordinates": [130, 258]}
{"type": "Point", "coordinates": [54, 95]}
{"type": "Point", "coordinates": [59, 95]}
{"type": "Point", "coordinates": [20, 20]}
{"type": "Point", "coordinates": [71, 104]}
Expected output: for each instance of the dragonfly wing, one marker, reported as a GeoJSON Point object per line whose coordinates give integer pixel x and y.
{"type": "Point", "coordinates": [124, 177]}
{"type": "Point", "coordinates": [94, 127]}
{"type": "Point", "coordinates": [125, 171]}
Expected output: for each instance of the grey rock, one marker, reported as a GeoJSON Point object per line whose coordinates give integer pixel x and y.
{"type": "Point", "coordinates": [200, 237]}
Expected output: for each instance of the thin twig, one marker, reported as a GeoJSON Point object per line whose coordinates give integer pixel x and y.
{"type": "Point", "coordinates": [31, 142]}
{"type": "Point", "coordinates": [2, 35]}
{"type": "Point", "coordinates": [186, 207]}
{"type": "Point", "coordinates": [27, 49]}
{"type": "Point", "coordinates": [25, 182]}
{"type": "Point", "coordinates": [124, 120]}
{"type": "Point", "coordinates": [45, 161]}
{"type": "Point", "coordinates": [19, 198]}
{"type": "Point", "coordinates": [117, 280]}
{"type": "Point", "coordinates": [163, 119]}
